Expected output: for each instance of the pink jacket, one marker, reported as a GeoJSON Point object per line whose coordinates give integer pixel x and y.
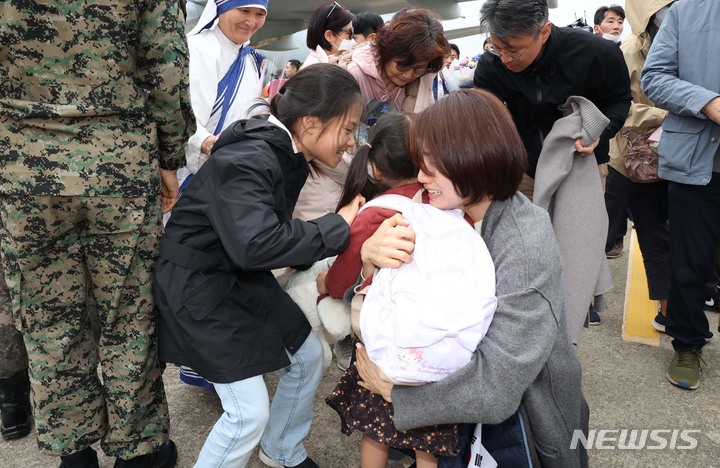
{"type": "Point", "coordinates": [364, 67]}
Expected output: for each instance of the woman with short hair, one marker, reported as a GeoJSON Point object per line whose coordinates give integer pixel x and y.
{"type": "Point", "coordinates": [524, 373]}
{"type": "Point", "coordinates": [330, 25]}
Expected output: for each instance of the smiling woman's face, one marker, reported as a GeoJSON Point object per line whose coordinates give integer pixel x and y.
{"type": "Point", "coordinates": [441, 190]}
{"type": "Point", "coordinates": [239, 24]}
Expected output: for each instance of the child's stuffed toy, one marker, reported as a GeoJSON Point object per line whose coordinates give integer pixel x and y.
{"type": "Point", "coordinates": [330, 319]}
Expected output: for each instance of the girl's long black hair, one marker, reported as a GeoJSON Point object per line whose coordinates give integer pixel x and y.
{"type": "Point", "coordinates": [387, 149]}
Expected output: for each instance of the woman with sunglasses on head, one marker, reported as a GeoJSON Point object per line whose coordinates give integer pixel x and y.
{"type": "Point", "coordinates": [329, 31]}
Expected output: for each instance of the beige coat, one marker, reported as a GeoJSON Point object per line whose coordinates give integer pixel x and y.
{"type": "Point", "coordinates": [643, 114]}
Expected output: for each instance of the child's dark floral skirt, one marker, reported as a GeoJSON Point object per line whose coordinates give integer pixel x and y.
{"type": "Point", "coordinates": [369, 413]}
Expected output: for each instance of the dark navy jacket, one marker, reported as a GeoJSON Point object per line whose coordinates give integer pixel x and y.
{"type": "Point", "coordinates": [221, 310]}
{"type": "Point", "coordinates": [573, 63]}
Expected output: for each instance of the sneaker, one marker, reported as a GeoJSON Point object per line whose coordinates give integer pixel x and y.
{"type": "Point", "coordinates": [265, 458]}
{"type": "Point", "coordinates": [307, 463]}
{"type": "Point", "coordinates": [343, 351]}
{"type": "Point", "coordinates": [712, 304]}
{"type": "Point", "coordinates": [684, 369]}
{"type": "Point", "coordinates": [658, 322]}
{"type": "Point", "coordinates": [593, 317]}
{"type": "Point", "coordinates": [616, 250]}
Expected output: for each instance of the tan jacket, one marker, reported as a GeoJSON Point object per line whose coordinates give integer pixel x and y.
{"type": "Point", "coordinates": [643, 114]}
{"type": "Point", "coordinates": [322, 190]}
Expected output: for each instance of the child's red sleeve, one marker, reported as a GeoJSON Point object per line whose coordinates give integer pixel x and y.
{"type": "Point", "coordinates": [344, 272]}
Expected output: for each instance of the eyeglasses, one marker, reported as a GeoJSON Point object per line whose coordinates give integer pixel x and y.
{"type": "Point", "coordinates": [514, 56]}
{"type": "Point", "coordinates": [336, 5]}
{"type": "Point", "coordinates": [419, 71]}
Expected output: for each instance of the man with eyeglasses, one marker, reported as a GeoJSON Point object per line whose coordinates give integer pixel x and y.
{"type": "Point", "coordinates": [534, 66]}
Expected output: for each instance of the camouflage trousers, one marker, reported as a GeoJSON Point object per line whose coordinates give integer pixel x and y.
{"type": "Point", "coordinates": [56, 249]}
{"type": "Point", "coordinates": [13, 358]}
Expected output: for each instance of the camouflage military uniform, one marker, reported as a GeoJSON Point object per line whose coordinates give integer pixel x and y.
{"type": "Point", "coordinates": [93, 101]}
{"type": "Point", "coordinates": [14, 358]}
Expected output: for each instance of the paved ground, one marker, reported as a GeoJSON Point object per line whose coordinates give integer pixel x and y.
{"type": "Point", "coordinates": [624, 384]}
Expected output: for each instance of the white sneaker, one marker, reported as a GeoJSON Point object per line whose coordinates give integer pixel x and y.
{"type": "Point", "coordinates": [265, 458]}
{"type": "Point", "coordinates": [343, 350]}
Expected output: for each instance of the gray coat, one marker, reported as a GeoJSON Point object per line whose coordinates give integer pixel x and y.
{"type": "Point", "coordinates": [568, 186]}
{"type": "Point", "coordinates": [681, 75]}
{"type": "Point", "coordinates": [526, 357]}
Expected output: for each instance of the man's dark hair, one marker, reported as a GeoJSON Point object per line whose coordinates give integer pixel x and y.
{"type": "Point", "coordinates": [603, 10]}
{"type": "Point", "coordinates": [455, 48]}
{"type": "Point", "coordinates": [295, 63]}
{"type": "Point", "coordinates": [366, 23]}
{"type": "Point", "coordinates": [509, 18]}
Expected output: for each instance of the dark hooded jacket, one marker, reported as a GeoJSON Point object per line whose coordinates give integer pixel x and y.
{"type": "Point", "coordinates": [572, 63]}
{"type": "Point", "coordinates": [221, 310]}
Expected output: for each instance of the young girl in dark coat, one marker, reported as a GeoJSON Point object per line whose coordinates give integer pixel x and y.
{"type": "Point", "coordinates": [222, 311]}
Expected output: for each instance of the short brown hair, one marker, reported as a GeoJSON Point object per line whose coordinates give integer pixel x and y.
{"type": "Point", "coordinates": [416, 36]}
{"type": "Point", "coordinates": [472, 141]}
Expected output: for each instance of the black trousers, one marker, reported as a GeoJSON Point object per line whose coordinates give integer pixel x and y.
{"type": "Point", "coordinates": [694, 234]}
{"type": "Point", "coordinates": [618, 191]}
{"type": "Point", "coordinates": [648, 207]}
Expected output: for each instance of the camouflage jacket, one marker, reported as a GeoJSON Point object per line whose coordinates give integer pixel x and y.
{"type": "Point", "coordinates": [94, 96]}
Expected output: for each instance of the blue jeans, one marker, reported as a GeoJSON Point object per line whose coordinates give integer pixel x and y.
{"type": "Point", "coordinates": [247, 414]}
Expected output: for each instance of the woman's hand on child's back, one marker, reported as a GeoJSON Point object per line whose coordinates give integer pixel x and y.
{"type": "Point", "coordinates": [391, 245]}
{"type": "Point", "coordinates": [350, 211]}
{"type": "Point", "coordinates": [372, 377]}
